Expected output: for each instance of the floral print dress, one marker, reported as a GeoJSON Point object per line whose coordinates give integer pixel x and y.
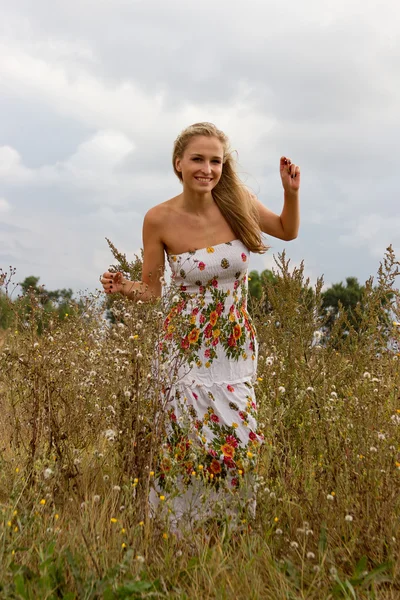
{"type": "Point", "coordinates": [210, 345]}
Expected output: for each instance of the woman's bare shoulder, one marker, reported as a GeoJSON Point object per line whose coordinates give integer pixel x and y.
{"type": "Point", "coordinates": [163, 210]}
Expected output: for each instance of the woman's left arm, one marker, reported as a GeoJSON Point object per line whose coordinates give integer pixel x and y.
{"type": "Point", "coordinates": [286, 225]}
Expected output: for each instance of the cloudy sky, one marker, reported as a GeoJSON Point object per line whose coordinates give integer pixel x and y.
{"type": "Point", "coordinates": [93, 95]}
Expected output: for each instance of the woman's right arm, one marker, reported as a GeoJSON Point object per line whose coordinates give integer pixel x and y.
{"type": "Point", "coordinates": [149, 288]}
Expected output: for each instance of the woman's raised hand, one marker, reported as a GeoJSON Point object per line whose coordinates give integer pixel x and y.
{"type": "Point", "coordinates": [290, 175]}
{"type": "Point", "coordinates": [112, 282]}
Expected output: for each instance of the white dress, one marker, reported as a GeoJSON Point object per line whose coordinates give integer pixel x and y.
{"type": "Point", "coordinates": [209, 344]}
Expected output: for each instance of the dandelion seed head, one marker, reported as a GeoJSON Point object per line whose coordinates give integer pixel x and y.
{"type": "Point", "coordinates": [47, 473]}
{"type": "Point", "coordinates": [348, 518]}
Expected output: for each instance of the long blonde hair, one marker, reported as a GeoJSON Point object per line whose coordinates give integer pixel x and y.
{"type": "Point", "coordinates": [231, 196]}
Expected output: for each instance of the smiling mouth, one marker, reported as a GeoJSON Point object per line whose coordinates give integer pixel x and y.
{"type": "Point", "coordinates": [204, 179]}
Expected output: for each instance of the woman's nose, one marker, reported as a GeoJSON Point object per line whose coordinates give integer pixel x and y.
{"type": "Point", "coordinates": [206, 168]}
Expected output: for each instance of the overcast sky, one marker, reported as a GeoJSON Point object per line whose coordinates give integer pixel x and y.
{"type": "Point", "coordinates": [93, 95]}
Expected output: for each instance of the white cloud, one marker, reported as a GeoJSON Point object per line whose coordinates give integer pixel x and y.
{"type": "Point", "coordinates": [4, 205]}
{"type": "Point", "coordinates": [374, 232]}
{"type": "Point", "coordinates": [317, 81]}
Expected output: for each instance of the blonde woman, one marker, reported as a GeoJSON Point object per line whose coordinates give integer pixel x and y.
{"type": "Point", "coordinates": [207, 233]}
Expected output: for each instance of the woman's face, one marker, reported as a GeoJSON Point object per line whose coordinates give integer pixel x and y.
{"type": "Point", "coordinates": [201, 163]}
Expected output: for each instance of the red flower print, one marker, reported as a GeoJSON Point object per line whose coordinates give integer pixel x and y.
{"type": "Point", "coordinates": [232, 308]}
{"type": "Point", "coordinates": [236, 285]}
{"type": "Point", "coordinates": [234, 482]}
{"type": "Point", "coordinates": [183, 288]}
{"type": "Point", "coordinates": [242, 415]}
{"type": "Point", "coordinates": [202, 319]}
{"type": "Point", "coordinates": [215, 467]}
{"type": "Point", "coordinates": [212, 453]}
{"type": "Point", "coordinates": [229, 463]}
{"type": "Point", "coordinates": [244, 257]}
{"type": "Point", "coordinates": [173, 417]}
{"type": "Point", "coordinates": [214, 283]}
{"type": "Point", "coordinates": [195, 396]}
{"type": "Point", "coordinates": [252, 436]}
{"type": "Point", "coordinates": [232, 441]}
{"type": "Point", "coordinates": [185, 343]}
{"type": "Point", "coordinates": [230, 388]}
{"type": "Point", "coordinates": [201, 289]}
{"type": "Point", "coordinates": [195, 310]}
{"type": "Point", "coordinates": [207, 353]}
{"type": "Point", "coordinates": [201, 266]}
{"type": "Point", "coordinates": [231, 341]}
{"type": "Point", "coordinates": [208, 331]}
{"type": "Point", "coordinates": [219, 309]}
{"type": "Point", "coordinates": [214, 418]}
{"type": "Point", "coordinates": [215, 342]}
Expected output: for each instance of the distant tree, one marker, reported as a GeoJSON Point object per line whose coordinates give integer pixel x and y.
{"type": "Point", "coordinates": [36, 303]}
{"type": "Point", "coordinates": [347, 296]}
{"type": "Point", "coordinates": [258, 289]}
{"type": "Point", "coordinates": [6, 313]}
{"type": "Point", "coordinates": [259, 286]}
{"type": "Point", "coordinates": [351, 299]}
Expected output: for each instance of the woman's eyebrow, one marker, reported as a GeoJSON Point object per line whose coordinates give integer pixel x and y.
{"type": "Point", "coordinates": [202, 156]}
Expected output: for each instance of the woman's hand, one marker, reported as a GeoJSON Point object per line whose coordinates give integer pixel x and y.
{"type": "Point", "coordinates": [290, 175]}
{"type": "Point", "coordinates": [113, 282]}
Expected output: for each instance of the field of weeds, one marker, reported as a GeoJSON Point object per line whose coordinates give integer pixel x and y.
{"type": "Point", "coordinates": [80, 433]}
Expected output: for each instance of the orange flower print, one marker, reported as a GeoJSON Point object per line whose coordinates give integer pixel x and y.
{"type": "Point", "coordinates": [201, 266]}
{"type": "Point", "coordinates": [194, 335]}
{"type": "Point", "coordinates": [210, 249]}
{"type": "Point", "coordinates": [215, 467]}
{"type": "Point", "coordinates": [213, 317]}
{"type": "Point", "coordinates": [237, 331]}
{"type": "Point", "coordinates": [230, 388]}
{"type": "Point", "coordinates": [228, 450]}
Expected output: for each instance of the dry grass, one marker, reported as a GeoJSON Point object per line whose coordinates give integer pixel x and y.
{"type": "Point", "coordinates": [74, 518]}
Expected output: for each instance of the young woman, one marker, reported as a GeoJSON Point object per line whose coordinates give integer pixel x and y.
{"type": "Point", "coordinates": [207, 233]}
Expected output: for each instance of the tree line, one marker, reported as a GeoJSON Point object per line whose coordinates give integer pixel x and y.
{"type": "Point", "coordinates": [48, 304]}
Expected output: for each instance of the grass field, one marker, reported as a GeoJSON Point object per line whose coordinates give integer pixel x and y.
{"type": "Point", "coordinates": [78, 456]}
